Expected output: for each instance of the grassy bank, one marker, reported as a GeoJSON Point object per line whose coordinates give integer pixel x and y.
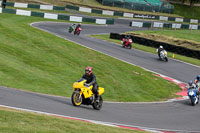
{"type": "Point", "coordinates": [150, 49]}
{"type": "Point", "coordinates": [18, 122]}
{"type": "Point", "coordinates": [186, 11]}
{"type": "Point", "coordinates": [34, 60]}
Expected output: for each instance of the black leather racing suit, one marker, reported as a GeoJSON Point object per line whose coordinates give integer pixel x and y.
{"type": "Point", "coordinates": [91, 80]}
{"type": "Point", "coordinates": [159, 50]}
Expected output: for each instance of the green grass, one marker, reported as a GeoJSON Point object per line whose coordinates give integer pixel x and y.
{"type": "Point", "coordinates": [181, 34]}
{"type": "Point", "coordinates": [19, 122]}
{"type": "Point", "coordinates": [37, 61]}
{"type": "Point", "coordinates": [186, 11]}
{"type": "Point", "coordinates": [150, 50]}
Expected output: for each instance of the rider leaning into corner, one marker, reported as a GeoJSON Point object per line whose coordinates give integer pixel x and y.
{"type": "Point", "coordinates": [79, 25]}
{"type": "Point", "coordinates": [91, 80]}
{"type": "Point", "coordinates": [197, 80]}
{"type": "Point", "coordinates": [159, 50]}
{"type": "Point", "coordinates": [192, 85]}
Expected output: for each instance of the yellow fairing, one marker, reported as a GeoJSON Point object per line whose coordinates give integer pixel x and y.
{"type": "Point", "coordinates": [86, 91]}
{"type": "Point", "coordinates": [101, 90]}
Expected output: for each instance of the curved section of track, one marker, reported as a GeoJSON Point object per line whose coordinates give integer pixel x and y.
{"type": "Point", "coordinates": [177, 115]}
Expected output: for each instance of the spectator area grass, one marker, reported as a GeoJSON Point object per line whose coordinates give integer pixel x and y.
{"type": "Point", "coordinates": [37, 61]}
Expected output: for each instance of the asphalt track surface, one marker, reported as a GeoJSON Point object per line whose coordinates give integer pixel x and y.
{"type": "Point", "coordinates": [176, 116]}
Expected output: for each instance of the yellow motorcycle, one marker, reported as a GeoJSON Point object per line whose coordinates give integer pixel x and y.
{"type": "Point", "coordinates": [83, 95]}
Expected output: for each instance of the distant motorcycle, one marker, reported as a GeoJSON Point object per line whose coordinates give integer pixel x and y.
{"type": "Point", "coordinates": [78, 31]}
{"type": "Point", "coordinates": [71, 29]}
{"type": "Point", "coordinates": [127, 42]}
{"type": "Point", "coordinates": [194, 98]}
{"type": "Point", "coordinates": [163, 55]}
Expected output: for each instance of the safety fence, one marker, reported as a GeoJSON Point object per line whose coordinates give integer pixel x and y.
{"type": "Point", "coordinates": [35, 6]}
{"type": "Point", "coordinates": [56, 16]}
{"type": "Point", "coordinates": [103, 12]}
{"type": "Point", "coordinates": [151, 43]}
{"type": "Point", "coordinates": [140, 5]}
{"type": "Point", "coordinates": [164, 25]}
{"type": "Point", "coordinates": [131, 15]}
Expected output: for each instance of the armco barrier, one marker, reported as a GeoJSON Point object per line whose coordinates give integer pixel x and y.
{"type": "Point", "coordinates": [36, 6]}
{"type": "Point", "coordinates": [169, 47]}
{"type": "Point", "coordinates": [132, 15]}
{"type": "Point", "coordinates": [97, 11]}
{"type": "Point", "coordinates": [164, 25]}
{"type": "Point", "coordinates": [56, 16]}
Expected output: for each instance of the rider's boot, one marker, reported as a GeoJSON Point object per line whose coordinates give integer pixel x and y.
{"type": "Point", "coordinates": [97, 97]}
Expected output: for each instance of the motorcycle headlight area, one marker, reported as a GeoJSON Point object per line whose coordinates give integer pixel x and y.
{"type": "Point", "coordinates": [191, 93]}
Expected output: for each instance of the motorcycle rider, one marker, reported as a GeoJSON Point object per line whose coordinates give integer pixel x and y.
{"type": "Point", "coordinates": [159, 50]}
{"type": "Point", "coordinates": [91, 80]}
{"type": "Point", "coordinates": [127, 37]}
{"type": "Point", "coordinates": [73, 26]}
{"type": "Point", "coordinates": [192, 85]}
{"type": "Point", "coordinates": [79, 25]}
{"type": "Point", "coordinates": [196, 81]}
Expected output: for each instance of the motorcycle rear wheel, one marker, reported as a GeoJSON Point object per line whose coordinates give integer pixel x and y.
{"type": "Point", "coordinates": [76, 100]}
{"type": "Point", "coordinates": [98, 105]}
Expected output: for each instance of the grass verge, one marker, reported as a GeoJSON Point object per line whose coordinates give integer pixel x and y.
{"type": "Point", "coordinates": [37, 61]}
{"type": "Point", "coordinates": [150, 49]}
{"type": "Point", "coordinates": [186, 11]}
{"type": "Point", "coordinates": [19, 121]}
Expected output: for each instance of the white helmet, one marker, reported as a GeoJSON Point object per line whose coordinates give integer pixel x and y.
{"type": "Point", "coordinates": [161, 46]}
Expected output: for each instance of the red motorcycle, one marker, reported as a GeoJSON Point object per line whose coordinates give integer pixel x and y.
{"type": "Point", "coordinates": [127, 42]}
{"type": "Point", "coordinates": [77, 31]}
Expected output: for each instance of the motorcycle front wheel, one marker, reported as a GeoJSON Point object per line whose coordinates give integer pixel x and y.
{"type": "Point", "coordinates": [166, 59]}
{"type": "Point", "coordinates": [192, 101]}
{"type": "Point", "coordinates": [130, 46]}
{"type": "Point", "coordinates": [98, 105]}
{"type": "Point", "coordinates": [76, 99]}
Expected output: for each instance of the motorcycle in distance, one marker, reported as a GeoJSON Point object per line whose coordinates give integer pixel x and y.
{"type": "Point", "coordinates": [127, 42]}
{"type": "Point", "coordinates": [83, 95]}
{"type": "Point", "coordinates": [194, 98]}
{"type": "Point", "coordinates": [71, 28]}
{"type": "Point", "coordinates": [78, 31]}
{"type": "Point", "coordinates": [163, 55]}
